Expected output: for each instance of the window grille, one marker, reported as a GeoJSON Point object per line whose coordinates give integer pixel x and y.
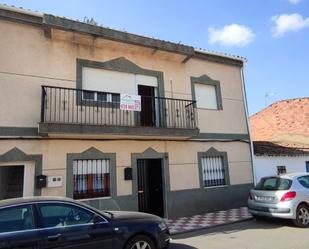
{"type": "Point", "coordinates": [281, 170]}
{"type": "Point", "coordinates": [91, 178]}
{"type": "Point", "coordinates": [213, 171]}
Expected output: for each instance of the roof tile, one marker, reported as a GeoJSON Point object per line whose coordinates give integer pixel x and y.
{"type": "Point", "coordinates": [286, 117]}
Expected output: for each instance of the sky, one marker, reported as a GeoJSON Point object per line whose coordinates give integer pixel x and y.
{"type": "Point", "coordinates": [273, 35]}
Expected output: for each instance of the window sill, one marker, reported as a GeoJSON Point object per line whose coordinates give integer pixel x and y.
{"type": "Point", "coordinates": [208, 109]}
{"type": "Point", "coordinates": [221, 186]}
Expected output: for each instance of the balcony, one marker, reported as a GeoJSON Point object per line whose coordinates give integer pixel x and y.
{"type": "Point", "coordinates": [72, 112]}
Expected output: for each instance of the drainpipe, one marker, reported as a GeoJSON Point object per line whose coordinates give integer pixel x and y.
{"type": "Point", "coordinates": [172, 90]}
{"type": "Point", "coordinates": [248, 123]}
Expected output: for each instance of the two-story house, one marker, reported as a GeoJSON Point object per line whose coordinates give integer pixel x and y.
{"type": "Point", "coordinates": [118, 120]}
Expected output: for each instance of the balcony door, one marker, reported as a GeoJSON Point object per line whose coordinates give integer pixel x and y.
{"type": "Point", "coordinates": [148, 110]}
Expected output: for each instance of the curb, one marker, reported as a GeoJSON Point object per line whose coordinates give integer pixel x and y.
{"type": "Point", "coordinates": [206, 228]}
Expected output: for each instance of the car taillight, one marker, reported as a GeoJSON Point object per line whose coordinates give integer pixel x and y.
{"type": "Point", "coordinates": [250, 196]}
{"type": "Point", "coordinates": [288, 196]}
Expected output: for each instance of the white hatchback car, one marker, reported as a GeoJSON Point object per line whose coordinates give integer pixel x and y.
{"type": "Point", "coordinates": [285, 196]}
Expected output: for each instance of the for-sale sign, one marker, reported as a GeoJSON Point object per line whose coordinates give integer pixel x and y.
{"type": "Point", "coordinates": [130, 102]}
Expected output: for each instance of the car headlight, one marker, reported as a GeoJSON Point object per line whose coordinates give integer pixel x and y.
{"type": "Point", "coordinates": [162, 225]}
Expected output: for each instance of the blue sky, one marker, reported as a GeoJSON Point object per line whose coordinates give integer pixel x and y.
{"type": "Point", "coordinates": [272, 34]}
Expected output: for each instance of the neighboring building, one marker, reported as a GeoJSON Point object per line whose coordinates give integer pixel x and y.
{"type": "Point", "coordinates": [187, 151]}
{"type": "Point", "coordinates": [280, 135]}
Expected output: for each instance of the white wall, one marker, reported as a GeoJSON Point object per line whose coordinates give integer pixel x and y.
{"type": "Point", "coordinates": [267, 165]}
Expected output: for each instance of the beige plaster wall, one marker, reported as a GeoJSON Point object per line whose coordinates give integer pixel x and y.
{"type": "Point", "coordinates": [184, 176]}
{"type": "Point", "coordinates": [183, 161]}
{"type": "Point", "coordinates": [28, 60]}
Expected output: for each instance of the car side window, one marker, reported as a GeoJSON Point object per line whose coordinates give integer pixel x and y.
{"type": "Point", "coordinates": [18, 218]}
{"type": "Point", "coordinates": [304, 181]}
{"type": "Point", "coordinates": [60, 215]}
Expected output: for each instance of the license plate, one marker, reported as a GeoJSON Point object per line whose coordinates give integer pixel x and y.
{"type": "Point", "coordinates": [264, 198]}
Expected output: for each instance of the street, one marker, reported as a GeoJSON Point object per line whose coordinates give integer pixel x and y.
{"type": "Point", "coordinates": [265, 234]}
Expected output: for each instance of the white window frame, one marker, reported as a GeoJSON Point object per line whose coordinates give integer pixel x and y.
{"type": "Point", "coordinates": [206, 80]}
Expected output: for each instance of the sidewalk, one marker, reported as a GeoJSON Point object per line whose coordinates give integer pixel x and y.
{"type": "Point", "coordinates": [187, 224]}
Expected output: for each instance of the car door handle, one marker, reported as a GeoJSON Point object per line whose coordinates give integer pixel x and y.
{"type": "Point", "coordinates": [53, 237]}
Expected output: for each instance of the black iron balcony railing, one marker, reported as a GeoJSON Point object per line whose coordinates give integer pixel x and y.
{"type": "Point", "coordinates": [75, 106]}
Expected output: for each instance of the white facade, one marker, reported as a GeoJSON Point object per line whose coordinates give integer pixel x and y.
{"type": "Point", "coordinates": [267, 165]}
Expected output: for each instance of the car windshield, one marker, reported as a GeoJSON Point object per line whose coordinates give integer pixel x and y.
{"type": "Point", "coordinates": [273, 183]}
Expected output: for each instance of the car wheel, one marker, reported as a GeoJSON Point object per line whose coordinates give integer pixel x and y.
{"type": "Point", "coordinates": [302, 216]}
{"type": "Point", "coordinates": [140, 242]}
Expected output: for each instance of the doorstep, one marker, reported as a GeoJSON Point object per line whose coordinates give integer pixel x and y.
{"type": "Point", "coordinates": [207, 220]}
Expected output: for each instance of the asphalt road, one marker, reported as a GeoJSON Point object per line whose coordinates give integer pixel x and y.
{"type": "Point", "coordinates": [266, 234]}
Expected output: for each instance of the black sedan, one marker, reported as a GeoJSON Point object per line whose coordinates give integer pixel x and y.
{"type": "Point", "coordinates": [63, 223]}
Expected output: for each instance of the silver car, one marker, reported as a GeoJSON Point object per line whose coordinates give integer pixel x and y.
{"type": "Point", "coordinates": [285, 196]}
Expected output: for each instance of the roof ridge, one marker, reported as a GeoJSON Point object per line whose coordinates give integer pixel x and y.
{"type": "Point", "coordinates": [21, 9]}
{"type": "Point", "coordinates": [279, 101]}
{"type": "Point", "coordinates": [237, 57]}
{"type": "Point", "coordinates": [106, 27]}
{"type": "Point", "coordinates": [198, 50]}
